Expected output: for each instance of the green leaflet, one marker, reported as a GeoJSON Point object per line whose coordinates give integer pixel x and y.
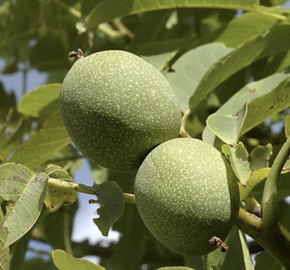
{"type": "Point", "coordinates": [267, 43]}
{"type": "Point", "coordinates": [40, 102]}
{"type": "Point", "coordinates": [238, 156]}
{"type": "Point", "coordinates": [65, 261]}
{"type": "Point", "coordinates": [24, 192]}
{"type": "Point", "coordinates": [226, 127]}
{"type": "Point", "coordinates": [260, 96]}
{"type": "Point", "coordinates": [259, 157]}
{"type": "Point", "coordinates": [192, 67]}
{"type": "Point", "coordinates": [111, 200]}
{"type": "Point", "coordinates": [44, 143]}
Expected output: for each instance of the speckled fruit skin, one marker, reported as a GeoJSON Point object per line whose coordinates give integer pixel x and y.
{"type": "Point", "coordinates": [117, 108]}
{"type": "Point", "coordinates": [186, 193]}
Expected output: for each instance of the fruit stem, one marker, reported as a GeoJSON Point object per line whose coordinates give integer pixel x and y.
{"type": "Point", "coordinates": [277, 243]}
{"type": "Point", "coordinates": [269, 202]}
{"type": "Point", "coordinates": [64, 185]}
{"type": "Point", "coordinates": [129, 198]}
{"type": "Point", "coordinates": [183, 132]}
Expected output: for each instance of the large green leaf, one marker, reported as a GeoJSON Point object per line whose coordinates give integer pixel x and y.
{"type": "Point", "coordinates": [41, 102]}
{"type": "Point", "coordinates": [110, 9]}
{"type": "Point", "coordinates": [261, 93]}
{"type": "Point", "coordinates": [192, 67]}
{"type": "Point", "coordinates": [243, 25]}
{"type": "Point", "coordinates": [263, 107]}
{"type": "Point", "coordinates": [274, 40]}
{"type": "Point", "coordinates": [65, 261]}
{"type": "Point", "coordinates": [44, 143]}
{"type": "Point", "coordinates": [153, 37]}
{"type": "Point", "coordinates": [24, 191]}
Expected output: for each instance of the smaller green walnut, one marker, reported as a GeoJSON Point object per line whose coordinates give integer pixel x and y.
{"type": "Point", "coordinates": [187, 194]}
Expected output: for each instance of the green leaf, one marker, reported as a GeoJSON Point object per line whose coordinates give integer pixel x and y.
{"type": "Point", "coordinates": [57, 197]}
{"type": "Point", "coordinates": [237, 256]}
{"type": "Point", "coordinates": [65, 261]}
{"type": "Point", "coordinates": [238, 156]}
{"type": "Point", "coordinates": [226, 127]}
{"type": "Point", "coordinates": [43, 144]}
{"type": "Point", "coordinates": [192, 67]}
{"type": "Point", "coordinates": [24, 192]}
{"type": "Point", "coordinates": [160, 31]}
{"type": "Point", "coordinates": [242, 25]}
{"type": "Point", "coordinates": [111, 199]}
{"type": "Point", "coordinates": [267, 89]}
{"type": "Point", "coordinates": [266, 261]}
{"type": "Point", "coordinates": [259, 157]}
{"type": "Point", "coordinates": [263, 107]}
{"type": "Point", "coordinates": [271, 42]}
{"type": "Point", "coordinates": [40, 102]}
{"type": "Point", "coordinates": [110, 9]}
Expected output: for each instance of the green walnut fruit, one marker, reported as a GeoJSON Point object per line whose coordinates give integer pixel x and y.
{"type": "Point", "coordinates": [117, 108]}
{"type": "Point", "coordinates": [187, 195]}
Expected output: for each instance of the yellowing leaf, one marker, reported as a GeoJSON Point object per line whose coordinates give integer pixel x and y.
{"type": "Point", "coordinates": [57, 197]}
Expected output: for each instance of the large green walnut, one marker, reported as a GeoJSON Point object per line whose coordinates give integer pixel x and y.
{"type": "Point", "coordinates": [187, 194]}
{"type": "Point", "coordinates": [117, 108]}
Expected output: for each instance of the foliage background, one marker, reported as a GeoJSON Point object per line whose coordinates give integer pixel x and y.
{"type": "Point", "coordinates": [36, 37]}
